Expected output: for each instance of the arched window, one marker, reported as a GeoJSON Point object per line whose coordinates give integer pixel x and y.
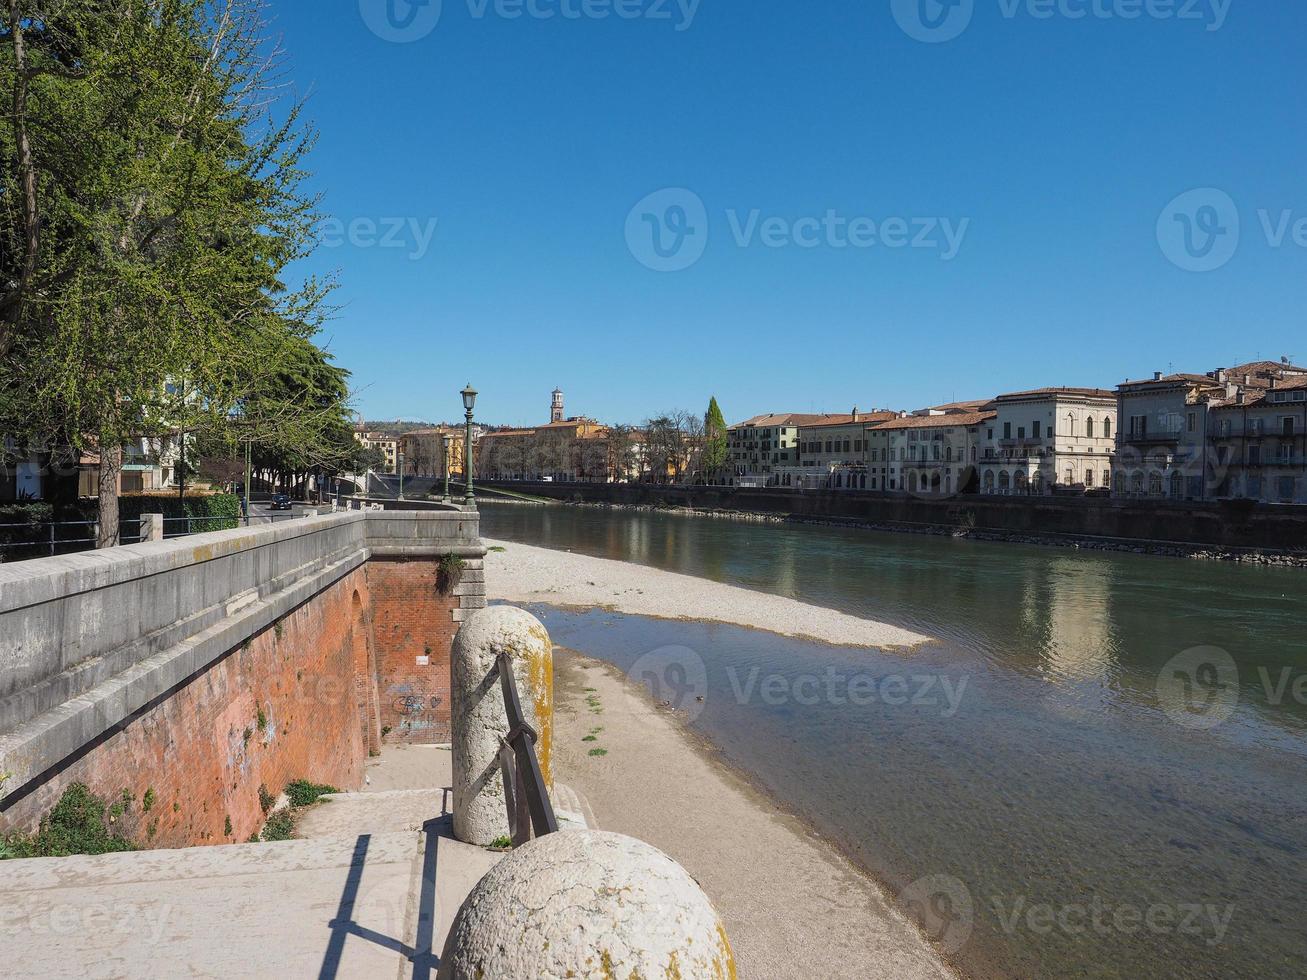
{"type": "Point", "coordinates": [1089, 428]}
{"type": "Point", "coordinates": [1089, 479]}
{"type": "Point", "coordinates": [1137, 482]}
{"type": "Point", "coordinates": [1107, 428]}
{"type": "Point", "coordinates": [989, 481]}
{"type": "Point", "coordinates": [1177, 485]}
{"type": "Point", "coordinates": [1004, 481]}
{"type": "Point", "coordinates": [1154, 484]}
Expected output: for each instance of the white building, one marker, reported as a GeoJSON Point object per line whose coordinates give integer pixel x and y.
{"type": "Point", "coordinates": [1049, 437]}
{"type": "Point", "coordinates": [1260, 443]}
{"type": "Point", "coordinates": [933, 452]}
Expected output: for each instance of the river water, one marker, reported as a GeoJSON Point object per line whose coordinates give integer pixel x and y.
{"type": "Point", "coordinates": [1098, 768]}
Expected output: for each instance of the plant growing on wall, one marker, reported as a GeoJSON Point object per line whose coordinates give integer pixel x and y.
{"type": "Point", "coordinates": [449, 573]}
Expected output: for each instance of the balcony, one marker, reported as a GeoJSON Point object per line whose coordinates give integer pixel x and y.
{"type": "Point", "coordinates": [1150, 438]}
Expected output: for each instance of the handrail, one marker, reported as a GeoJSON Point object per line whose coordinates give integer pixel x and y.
{"type": "Point", "coordinates": [525, 794]}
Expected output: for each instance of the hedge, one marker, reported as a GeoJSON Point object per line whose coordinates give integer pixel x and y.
{"type": "Point", "coordinates": [220, 512]}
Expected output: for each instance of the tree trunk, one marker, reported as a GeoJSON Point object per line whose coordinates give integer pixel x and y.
{"type": "Point", "coordinates": [111, 467]}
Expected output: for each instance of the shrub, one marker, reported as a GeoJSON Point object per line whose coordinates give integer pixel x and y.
{"type": "Point", "coordinates": [449, 573]}
{"type": "Point", "coordinates": [304, 793]}
{"type": "Point", "coordinates": [280, 826]}
{"type": "Point", "coordinates": [75, 826]}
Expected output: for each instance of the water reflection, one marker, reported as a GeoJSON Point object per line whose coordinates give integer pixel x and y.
{"type": "Point", "coordinates": [1096, 627]}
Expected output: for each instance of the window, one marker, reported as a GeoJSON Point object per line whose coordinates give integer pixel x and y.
{"type": "Point", "coordinates": [1193, 421]}
{"type": "Point", "coordinates": [1286, 488]}
{"type": "Point", "coordinates": [1089, 475]}
{"type": "Point", "coordinates": [1007, 430]}
{"type": "Point", "coordinates": [1021, 432]}
{"type": "Point", "coordinates": [1034, 429]}
{"type": "Point", "coordinates": [1107, 428]}
{"type": "Point", "coordinates": [1089, 428]}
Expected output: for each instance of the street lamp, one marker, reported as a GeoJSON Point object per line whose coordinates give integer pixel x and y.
{"type": "Point", "coordinates": [469, 403]}
{"type": "Point", "coordinates": [447, 439]}
{"type": "Point", "coordinates": [401, 476]}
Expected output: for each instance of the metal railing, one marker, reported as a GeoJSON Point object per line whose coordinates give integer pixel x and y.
{"type": "Point", "coordinates": [50, 538]}
{"type": "Point", "coordinates": [525, 794]}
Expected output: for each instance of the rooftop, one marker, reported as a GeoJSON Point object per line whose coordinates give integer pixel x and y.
{"type": "Point", "coordinates": [949, 421]}
{"type": "Point", "coordinates": [1069, 392]}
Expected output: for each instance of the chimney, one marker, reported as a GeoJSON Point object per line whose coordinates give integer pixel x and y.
{"type": "Point", "coordinates": [856, 417]}
{"type": "Point", "coordinates": [1221, 376]}
{"type": "Point", "coordinates": [1274, 380]}
{"type": "Point", "coordinates": [1247, 379]}
{"type": "Point", "coordinates": [1157, 375]}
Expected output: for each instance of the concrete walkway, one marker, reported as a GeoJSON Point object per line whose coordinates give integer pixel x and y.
{"type": "Point", "coordinates": [370, 891]}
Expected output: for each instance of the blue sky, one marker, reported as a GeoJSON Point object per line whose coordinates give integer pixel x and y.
{"type": "Point", "coordinates": [885, 220]}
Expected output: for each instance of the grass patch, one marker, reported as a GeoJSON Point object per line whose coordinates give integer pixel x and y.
{"type": "Point", "coordinates": [497, 548]}
{"type": "Point", "coordinates": [449, 573]}
{"type": "Point", "coordinates": [280, 826]}
{"type": "Point", "coordinates": [75, 826]}
{"type": "Point", "coordinates": [501, 843]}
{"type": "Point", "coordinates": [598, 752]}
{"type": "Point", "coordinates": [304, 793]}
{"type": "Point", "coordinates": [266, 799]}
{"type": "Point", "coordinates": [590, 738]}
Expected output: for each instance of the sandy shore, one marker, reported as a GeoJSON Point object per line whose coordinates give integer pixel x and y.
{"type": "Point", "coordinates": [793, 906]}
{"type": "Point", "coordinates": [525, 574]}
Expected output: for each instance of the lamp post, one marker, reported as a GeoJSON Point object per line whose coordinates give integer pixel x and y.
{"type": "Point", "coordinates": [447, 440]}
{"type": "Point", "coordinates": [469, 403]}
{"type": "Point", "coordinates": [401, 476]}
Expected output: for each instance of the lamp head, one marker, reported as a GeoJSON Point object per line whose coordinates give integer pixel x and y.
{"type": "Point", "coordinates": [469, 397]}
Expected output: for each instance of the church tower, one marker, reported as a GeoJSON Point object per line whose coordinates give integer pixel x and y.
{"type": "Point", "coordinates": [556, 408]}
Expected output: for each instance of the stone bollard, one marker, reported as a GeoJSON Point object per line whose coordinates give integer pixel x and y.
{"type": "Point", "coordinates": [479, 719]}
{"type": "Point", "coordinates": [151, 527]}
{"type": "Point", "coordinates": [587, 903]}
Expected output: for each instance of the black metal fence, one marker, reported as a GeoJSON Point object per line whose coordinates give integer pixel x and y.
{"type": "Point", "coordinates": [525, 794]}
{"type": "Point", "coordinates": [44, 539]}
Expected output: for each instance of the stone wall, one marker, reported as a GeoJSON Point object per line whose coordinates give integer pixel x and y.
{"type": "Point", "coordinates": [1230, 524]}
{"type": "Point", "coordinates": [193, 672]}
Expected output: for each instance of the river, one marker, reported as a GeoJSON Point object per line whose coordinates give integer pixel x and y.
{"type": "Point", "coordinates": [1098, 769]}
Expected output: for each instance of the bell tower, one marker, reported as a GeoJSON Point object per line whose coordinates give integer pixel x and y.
{"type": "Point", "coordinates": [556, 407]}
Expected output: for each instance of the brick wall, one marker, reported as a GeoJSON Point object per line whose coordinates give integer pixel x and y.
{"type": "Point", "coordinates": [283, 706]}
{"type": "Point", "coordinates": [414, 626]}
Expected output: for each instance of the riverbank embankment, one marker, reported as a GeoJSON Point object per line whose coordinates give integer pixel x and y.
{"type": "Point", "coordinates": [1232, 530]}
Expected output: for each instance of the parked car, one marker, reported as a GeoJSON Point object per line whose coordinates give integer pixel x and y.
{"type": "Point", "coordinates": [281, 501]}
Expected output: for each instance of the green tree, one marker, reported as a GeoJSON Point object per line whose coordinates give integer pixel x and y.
{"type": "Point", "coordinates": [716, 456]}
{"type": "Point", "coordinates": [154, 204]}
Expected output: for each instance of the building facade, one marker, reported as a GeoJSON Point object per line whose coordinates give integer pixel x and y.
{"type": "Point", "coordinates": [1047, 438]}
{"type": "Point", "coordinates": [1260, 444]}
{"type": "Point", "coordinates": [834, 454]}
{"type": "Point", "coordinates": [761, 449]}
{"type": "Point", "coordinates": [933, 452]}
{"type": "Point", "coordinates": [1183, 436]}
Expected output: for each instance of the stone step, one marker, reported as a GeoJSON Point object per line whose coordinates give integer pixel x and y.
{"type": "Point", "coordinates": [386, 811]}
